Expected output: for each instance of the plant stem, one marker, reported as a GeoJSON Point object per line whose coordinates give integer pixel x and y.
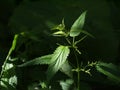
{"type": "Point", "coordinates": [68, 41]}
{"type": "Point", "coordinates": [78, 72]}
{"type": "Point", "coordinates": [9, 53]}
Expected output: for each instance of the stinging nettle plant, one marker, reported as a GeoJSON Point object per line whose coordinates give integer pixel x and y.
{"type": "Point", "coordinates": [59, 59]}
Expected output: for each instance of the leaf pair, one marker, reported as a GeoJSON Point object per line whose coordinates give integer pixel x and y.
{"type": "Point", "coordinates": [56, 61]}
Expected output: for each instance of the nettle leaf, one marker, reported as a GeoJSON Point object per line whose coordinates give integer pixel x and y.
{"type": "Point", "coordinates": [78, 25]}
{"type": "Point", "coordinates": [67, 69]}
{"type": "Point", "coordinates": [59, 58]}
{"type": "Point", "coordinates": [109, 70]}
{"type": "Point", "coordinates": [40, 60]}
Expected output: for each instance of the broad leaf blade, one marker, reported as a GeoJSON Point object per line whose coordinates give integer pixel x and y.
{"type": "Point", "coordinates": [67, 69]}
{"type": "Point", "coordinates": [78, 25]}
{"type": "Point", "coordinates": [59, 58]}
{"type": "Point", "coordinates": [109, 70]}
{"type": "Point", "coordinates": [40, 60]}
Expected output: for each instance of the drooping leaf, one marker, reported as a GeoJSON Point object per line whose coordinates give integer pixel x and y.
{"type": "Point", "coordinates": [110, 70]}
{"type": "Point", "coordinates": [67, 69]}
{"type": "Point", "coordinates": [40, 60]}
{"type": "Point", "coordinates": [78, 25]}
{"type": "Point", "coordinates": [66, 85]}
{"type": "Point", "coordinates": [59, 57]}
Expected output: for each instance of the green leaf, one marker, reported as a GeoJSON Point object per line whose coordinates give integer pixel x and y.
{"type": "Point", "coordinates": [9, 78]}
{"type": "Point", "coordinates": [109, 70]}
{"type": "Point", "coordinates": [78, 25]}
{"type": "Point", "coordinates": [59, 33]}
{"type": "Point", "coordinates": [40, 60]}
{"type": "Point", "coordinates": [4, 85]}
{"type": "Point", "coordinates": [66, 85]}
{"type": "Point", "coordinates": [67, 69]}
{"type": "Point", "coordinates": [59, 57]}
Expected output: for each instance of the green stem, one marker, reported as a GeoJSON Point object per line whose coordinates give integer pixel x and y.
{"type": "Point", "coordinates": [9, 53]}
{"type": "Point", "coordinates": [78, 72]}
{"type": "Point", "coordinates": [68, 41]}
{"type": "Point", "coordinates": [73, 42]}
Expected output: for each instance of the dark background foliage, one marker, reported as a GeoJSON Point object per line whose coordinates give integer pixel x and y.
{"type": "Point", "coordinates": [33, 16]}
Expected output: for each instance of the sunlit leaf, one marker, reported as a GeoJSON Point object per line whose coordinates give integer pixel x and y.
{"type": "Point", "coordinates": [78, 25]}
{"type": "Point", "coordinates": [40, 60]}
{"type": "Point", "coordinates": [59, 33]}
{"type": "Point", "coordinates": [59, 58]}
{"type": "Point", "coordinates": [109, 70]}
